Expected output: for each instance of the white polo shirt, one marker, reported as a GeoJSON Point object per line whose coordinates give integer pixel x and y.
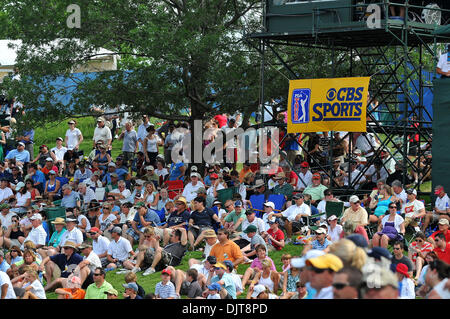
{"type": "Point", "coordinates": [443, 63]}
{"type": "Point", "coordinates": [4, 279]}
{"type": "Point", "coordinates": [442, 203]}
{"type": "Point", "coordinates": [120, 249]}
{"type": "Point", "coordinates": [100, 246]}
{"type": "Point", "coordinates": [5, 193]}
{"type": "Point", "coordinates": [75, 235]}
{"type": "Point", "coordinates": [37, 235]}
{"type": "Point", "coordinates": [295, 210]}
{"type": "Point", "coordinates": [94, 261]}
{"type": "Point", "coordinates": [189, 191]}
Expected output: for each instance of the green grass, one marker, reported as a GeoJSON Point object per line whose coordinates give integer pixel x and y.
{"type": "Point", "coordinates": [149, 282]}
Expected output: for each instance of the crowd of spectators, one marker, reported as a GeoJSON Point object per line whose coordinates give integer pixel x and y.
{"type": "Point", "coordinates": [122, 215]}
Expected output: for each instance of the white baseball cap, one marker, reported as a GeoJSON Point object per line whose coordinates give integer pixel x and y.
{"type": "Point", "coordinates": [332, 217]}
{"type": "Point", "coordinates": [257, 290]}
{"type": "Point", "coordinates": [354, 199]}
{"type": "Point", "coordinates": [301, 262]}
{"type": "Point", "coordinates": [36, 216]}
{"type": "Point", "coordinates": [269, 204]}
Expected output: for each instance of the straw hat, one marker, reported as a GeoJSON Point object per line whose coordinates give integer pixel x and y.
{"type": "Point", "coordinates": [59, 221]}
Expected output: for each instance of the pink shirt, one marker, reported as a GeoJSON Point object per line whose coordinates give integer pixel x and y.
{"type": "Point", "coordinates": [257, 264]}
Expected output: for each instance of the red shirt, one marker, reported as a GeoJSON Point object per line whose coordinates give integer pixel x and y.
{"type": "Point", "coordinates": [45, 170]}
{"type": "Point", "coordinates": [221, 119]}
{"type": "Point", "coordinates": [443, 255]}
{"type": "Point", "coordinates": [426, 248]}
{"type": "Point", "coordinates": [447, 235]}
{"type": "Point", "coordinates": [278, 235]}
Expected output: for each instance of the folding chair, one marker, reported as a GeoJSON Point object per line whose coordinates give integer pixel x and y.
{"type": "Point", "coordinates": [225, 194]}
{"type": "Point", "coordinates": [174, 188]}
{"type": "Point", "coordinates": [257, 203]}
{"type": "Point", "coordinates": [334, 208]}
{"type": "Point", "coordinates": [278, 200]}
{"type": "Point", "coordinates": [62, 180]}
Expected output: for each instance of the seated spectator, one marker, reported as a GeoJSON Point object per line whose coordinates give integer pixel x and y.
{"type": "Point", "coordinates": [119, 250]}
{"type": "Point", "coordinates": [73, 290]}
{"type": "Point", "coordinates": [161, 171]}
{"type": "Point", "coordinates": [53, 244]}
{"type": "Point", "coordinates": [353, 255]}
{"type": "Point", "coordinates": [100, 287]}
{"type": "Point", "coordinates": [86, 194]}
{"type": "Point", "coordinates": [155, 259]}
{"type": "Point", "coordinates": [391, 228]}
{"type": "Point", "coordinates": [224, 279]}
{"type": "Point", "coordinates": [256, 265]}
{"type": "Point", "coordinates": [304, 178]}
{"type": "Point", "coordinates": [37, 234]}
{"type": "Point", "coordinates": [70, 198]}
{"type": "Point", "coordinates": [106, 221]}
{"type": "Point", "coordinates": [417, 252]}
{"type": "Point", "coordinates": [267, 277]}
{"type": "Point", "coordinates": [441, 208]}
{"type": "Point", "coordinates": [322, 270]}
{"type": "Point", "coordinates": [151, 195]}
{"type": "Point", "coordinates": [320, 241]}
{"type": "Point", "coordinates": [30, 287]}
{"type": "Point", "coordinates": [20, 155]}
{"type": "Point", "coordinates": [144, 217]}
{"type": "Point", "coordinates": [177, 218]}
{"type": "Point", "coordinates": [334, 230]}
{"type": "Point", "coordinates": [99, 245]}
{"type": "Point", "coordinates": [203, 268]}
{"type": "Point", "coordinates": [131, 277]}
{"type": "Point", "coordinates": [292, 216]}
{"type": "Point", "coordinates": [283, 187]}
{"type": "Point", "coordinates": [381, 203]}
{"type": "Point", "coordinates": [443, 226]}
{"type": "Point", "coordinates": [398, 257]}
{"type": "Point", "coordinates": [233, 221]}
{"type": "Point", "coordinates": [200, 220]}
{"type": "Point", "coordinates": [346, 283]}
{"type": "Point", "coordinates": [357, 215]}
{"type": "Point", "coordinates": [37, 177]}
{"type": "Point", "coordinates": [437, 280]}
{"type": "Point", "coordinates": [442, 248]}
{"type": "Point", "coordinates": [165, 289]}
{"type": "Point", "coordinates": [103, 158]}
{"type": "Point", "coordinates": [121, 193]}
{"type": "Point", "coordinates": [131, 291]}
{"type": "Point", "coordinates": [226, 249]}
{"type": "Point", "coordinates": [255, 240]}
{"type": "Point", "coordinates": [48, 166]}
{"type": "Point", "coordinates": [60, 266]}
{"type": "Point", "coordinates": [52, 188]}
{"type": "Point", "coordinates": [413, 210]}
{"type": "Point", "coordinates": [72, 233]}
{"type": "Point", "coordinates": [23, 199]}
{"type": "Point", "coordinates": [274, 236]}
{"type": "Point", "coordinates": [94, 181]}
{"type": "Point", "coordinates": [316, 189]}
{"type": "Point", "coordinates": [86, 268]}
{"type": "Point", "coordinates": [82, 173]}
{"type": "Point", "coordinates": [406, 284]}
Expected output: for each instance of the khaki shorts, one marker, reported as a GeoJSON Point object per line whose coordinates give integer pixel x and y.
{"type": "Point", "coordinates": [411, 222]}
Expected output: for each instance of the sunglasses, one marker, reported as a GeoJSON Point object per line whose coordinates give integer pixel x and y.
{"type": "Point", "coordinates": [339, 285]}
{"type": "Point", "coordinates": [97, 274]}
{"type": "Point", "coordinates": [397, 248]}
{"type": "Point", "coordinates": [393, 207]}
{"type": "Point", "coordinates": [228, 206]}
{"type": "Point", "coordinates": [419, 240]}
{"type": "Point", "coordinates": [317, 270]}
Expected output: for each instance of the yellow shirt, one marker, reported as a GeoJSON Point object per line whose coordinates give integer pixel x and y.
{"type": "Point", "coordinates": [228, 251]}
{"type": "Point", "coordinates": [360, 216]}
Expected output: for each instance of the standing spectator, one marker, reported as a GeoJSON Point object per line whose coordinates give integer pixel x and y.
{"type": "Point", "coordinates": [150, 145]}
{"type": "Point", "coordinates": [102, 132]}
{"type": "Point", "coordinates": [130, 143]}
{"type": "Point", "coordinates": [100, 287]}
{"type": "Point", "coordinates": [169, 143]}
{"type": "Point", "coordinates": [165, 289]}
{"type": "Point", "coordinates": [73, 137]}
{"type": "Point", "coordinates": [142, 131]}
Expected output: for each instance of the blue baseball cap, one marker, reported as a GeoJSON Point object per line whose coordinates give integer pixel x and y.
{"type": "Point", "coordinates": [228, 263]}
{"type": "Point", "coordinates": [215, 286]}
{"type": "Point", "coordinates": [131, 285]}
{"type": "Point", "coordinates": [238, 203]}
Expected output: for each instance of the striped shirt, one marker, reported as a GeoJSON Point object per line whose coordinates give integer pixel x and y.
{"type": "Point", "coordinates": [425, 249]}
{"type": "Point", "coordinates": [165, 291]}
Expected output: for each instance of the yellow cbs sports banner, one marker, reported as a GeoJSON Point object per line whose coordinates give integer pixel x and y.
{"type": "Point", "coordinates": [320, 105]}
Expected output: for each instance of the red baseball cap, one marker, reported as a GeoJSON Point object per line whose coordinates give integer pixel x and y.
{"type": "Point", "coordinates": [402, 269]}
{"type": "Point", "coordinates": [94, 229]}
{"type": "Point", "coordinates": [316, 176]}
{"type": "Point", "coordinates": [438, 190]}
{"type": "Point", "coordinates": [166, 271]}
{"type": "Point", "coordinates": [215, 176]}
{"type": "Point", "coordinates": [304, 164]}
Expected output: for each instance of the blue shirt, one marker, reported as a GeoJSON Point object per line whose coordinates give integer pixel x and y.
{"type": "Point", "coordinates": [63, 263]}
{"type": "Point", "coordinates": [120, 173]}
{"type": "Point", "coordinates": [150, 216]}
{"type": "Point", "coordinates": [79, 176]}
{"type": "Point", "coordinates": [30, 134]}
{"type": "Point", "coordinates": [4, 266]}
{"type": "Point", "coordinates": [23, 156]}
{"type": "Point", "coordinates": [175, 171]}
{"type": "Point", "coordinates": [70, 201]}
{"type": "Point", "coordinates": [229, 285]}
{"type": "Point", "coordinates": [39, 177]}
{"type": "Point", "coordinates": [316, 245]}
{"type": "Point", "coordinates": [311, 292]}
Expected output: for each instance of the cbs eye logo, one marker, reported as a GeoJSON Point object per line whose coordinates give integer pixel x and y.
{"type": "Point", "coordinates": [331, 94]}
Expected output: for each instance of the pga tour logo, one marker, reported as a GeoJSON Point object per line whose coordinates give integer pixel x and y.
{"type": "Point", "coordinates": [300, 106]}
